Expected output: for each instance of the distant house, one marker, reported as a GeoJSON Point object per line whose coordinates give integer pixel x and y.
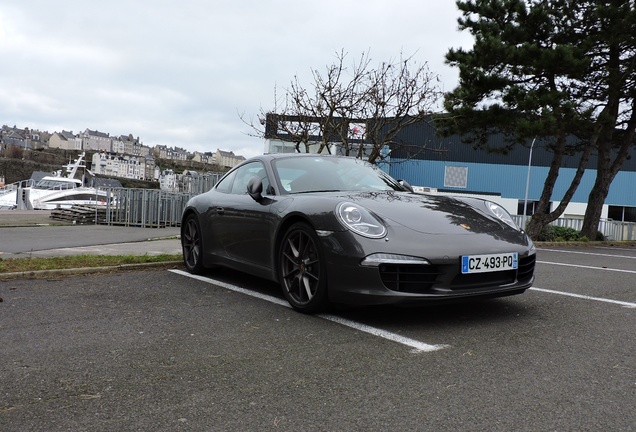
{"type": "Point", "coordinates": [128, 145]}
{"type": "Point", "coordinates": [180, 154]}
{"type": "Point", "coordinates": [160, 151]}
{"type": "Point", "coordinates": [205, 158]}
{"type": "Point", "coordinates": [190, 181]}
{"type": "Point", "coordinates": [112, 164]}
{"type": "Point", "coordinates": [151, 171]}
{"type": "Point", "coordinates": [96, 141]}
{"type": "Point", "coordinates": [227, 159]}
{"type": "Point", "coordinates": [138, 149]}
{"type": "Point", "coordinates": [168, 181]}
{"type": "Point", "coordinates": [119, 144]}
{"type": "Point", "coordinates": [65, 140]}
{"type": "Point", "coordinates": [170, 153]}
{"type": "Point", "coordinates": [23, 138]}
{"type": "Point", "coordinates": [17, 139]}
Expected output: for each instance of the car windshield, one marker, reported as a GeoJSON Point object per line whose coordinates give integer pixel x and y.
{"type": "Point", "coordinates": [304, 174]}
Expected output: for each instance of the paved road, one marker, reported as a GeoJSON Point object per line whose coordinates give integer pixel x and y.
{"type": "Point", "coordinates": [160, 351]}
{"type": "Point", "coordinates": [35, 239]}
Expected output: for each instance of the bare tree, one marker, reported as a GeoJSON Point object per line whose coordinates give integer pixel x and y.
{"type": "Point", "coordinates": [356, 110]}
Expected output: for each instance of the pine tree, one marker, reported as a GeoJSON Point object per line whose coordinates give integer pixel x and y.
{"type": "Point", "coordinates": [551, 70]}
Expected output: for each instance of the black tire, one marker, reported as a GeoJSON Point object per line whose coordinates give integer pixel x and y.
{"type": "Point", "coordinates": [192, 246]}
{"type": "Point", "coordinates": [302, 270]}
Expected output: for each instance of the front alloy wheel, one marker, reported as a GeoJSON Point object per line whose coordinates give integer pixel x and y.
{"type": "Point", "coordinates": [302, 274]}
{"type": "Point", "coordinates": [191, 245]}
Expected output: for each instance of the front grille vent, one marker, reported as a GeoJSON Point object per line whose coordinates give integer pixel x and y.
{"type": "Point", "coordinates": [526, 268]}
{"type": "Point", "coordinates": [408, 277]}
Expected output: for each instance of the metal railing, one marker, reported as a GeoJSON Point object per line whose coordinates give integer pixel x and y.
{"type": "Point", "coordinates": [611, 229]}
{"type": "Point", "coordinates": [153, 208]}
{"type": "Point", "coordinates": [200, 184]}
{"type": "Point", "coordinates": [147, 208]}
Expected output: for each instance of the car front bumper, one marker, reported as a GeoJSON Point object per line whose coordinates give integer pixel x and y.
{"type": "Point", "coordinates": [426, 269]}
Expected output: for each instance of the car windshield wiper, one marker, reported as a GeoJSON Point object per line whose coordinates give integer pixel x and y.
{"type": "Point", "coordinates": [318, 190]}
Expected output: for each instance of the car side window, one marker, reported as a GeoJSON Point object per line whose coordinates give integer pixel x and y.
{"type": "Point", "coordinates": [225, 185]}
{"type": "Point", "coordinates": [245, 173]}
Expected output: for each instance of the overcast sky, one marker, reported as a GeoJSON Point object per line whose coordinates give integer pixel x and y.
{"type": "Point", "coordinates": [179, 73]}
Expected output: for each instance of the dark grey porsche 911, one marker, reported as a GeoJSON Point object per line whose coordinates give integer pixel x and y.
{"type": "Point", "coordinates": [339, 230]}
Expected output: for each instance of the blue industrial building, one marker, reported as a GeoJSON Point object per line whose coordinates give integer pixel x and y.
{"type": "Point", "coordinates": [450, 165]}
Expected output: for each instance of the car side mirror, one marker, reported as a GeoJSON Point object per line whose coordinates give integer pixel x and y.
{"type": "Point", "coordinates": [406, 185]}
{"type": "Point", "coordinates": [255, 188]}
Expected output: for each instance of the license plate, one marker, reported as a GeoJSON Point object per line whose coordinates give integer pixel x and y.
{"type": "Point", "coordinates": [489, 262]}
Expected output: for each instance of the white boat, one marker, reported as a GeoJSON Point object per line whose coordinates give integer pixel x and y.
{"type": "Point", "coordinates": [53, 191]}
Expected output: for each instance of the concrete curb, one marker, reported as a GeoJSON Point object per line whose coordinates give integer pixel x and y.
{"type": "Point", "coordinates": [39, 274]}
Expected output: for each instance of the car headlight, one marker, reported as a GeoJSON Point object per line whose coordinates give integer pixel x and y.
{"type": "Point", "coordinates": [501, 214]}
{"type": "Point", "coordinates": [359, 220]}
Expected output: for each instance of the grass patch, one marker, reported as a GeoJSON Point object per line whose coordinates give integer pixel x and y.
{"type": "Point", "coordinates": [552, 233]}
{"type": "Point", "coordinates": [13, 265]}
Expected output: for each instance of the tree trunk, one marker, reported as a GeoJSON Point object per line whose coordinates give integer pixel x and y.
{"type": "Point", "coordinates": [605, 175]}
{"type": "Point", "coordinates": [541, 218]}
{"type": "Point", "coordinates": [594, 208]}
{"type": "Point", "coordinates": [607, 169]}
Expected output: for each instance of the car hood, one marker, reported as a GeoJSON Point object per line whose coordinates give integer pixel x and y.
{"type": "Point", "coordinates": [428, 213]}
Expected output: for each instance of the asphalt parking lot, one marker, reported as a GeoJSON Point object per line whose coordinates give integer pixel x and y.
{"type": "Point", "coordinates": [160, 350]}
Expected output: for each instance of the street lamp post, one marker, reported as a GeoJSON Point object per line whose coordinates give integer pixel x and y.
{"type": "Point", "coordinates": [525, 202]}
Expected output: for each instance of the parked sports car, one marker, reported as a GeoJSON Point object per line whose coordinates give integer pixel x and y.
{"type": "Point", "coordinates": [335, 229]}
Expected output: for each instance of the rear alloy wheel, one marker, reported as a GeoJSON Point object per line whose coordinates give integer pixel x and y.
{"type": "Point", "coordinates": [302, 272]}
{"type": "Point", "coordinates": [191, 245]}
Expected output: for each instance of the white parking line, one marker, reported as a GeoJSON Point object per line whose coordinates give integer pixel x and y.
{"type": "Point", "coordinates": [588, 253]}
{"type": "Point", "coordinates": [417, 345]}
{"type": "Point", "coordinates": [585, 297]}
{"type": "Point", "coordinates": [613, 248]}
{"type": "Point", "coordinates": [588, 267]}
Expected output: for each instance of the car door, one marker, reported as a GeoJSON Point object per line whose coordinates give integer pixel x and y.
{"type": "Point", "coordinates": [244, 224]}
